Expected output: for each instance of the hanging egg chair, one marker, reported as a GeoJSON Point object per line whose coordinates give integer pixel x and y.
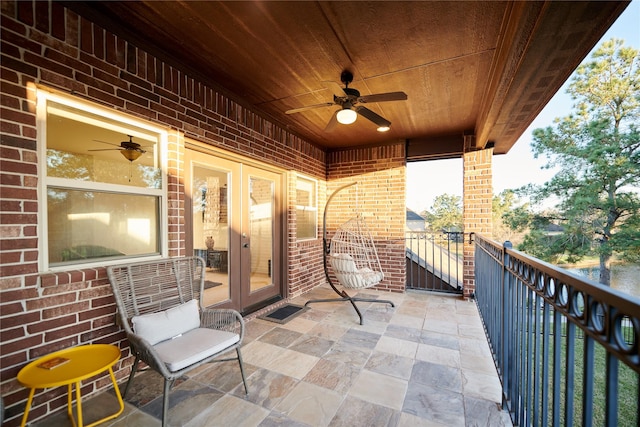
{"type": "Point", "coordinates": [353, 258]}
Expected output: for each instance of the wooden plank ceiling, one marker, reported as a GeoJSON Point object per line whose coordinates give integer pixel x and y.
{"type": "Point", "coordinates": [478, 68]}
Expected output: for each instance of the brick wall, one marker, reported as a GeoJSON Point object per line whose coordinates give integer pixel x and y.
{"type": "Point", "coordinates": [47, 46]}
{"type": "Point", "coordinates": [380, 197]}
{"type": "Point", "coordinates": [175, 195]}
{"type": "Point", "coordinates": [477, 196]}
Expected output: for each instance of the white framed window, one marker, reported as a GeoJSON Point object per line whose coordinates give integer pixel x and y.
{"type": "Point", "coordinates": [306, 208]}
{"type": "Point", "coordinates": [102, 186]}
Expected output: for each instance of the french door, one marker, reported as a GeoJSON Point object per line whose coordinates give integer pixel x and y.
{"type": "Point", "coordinates": [236, 226]}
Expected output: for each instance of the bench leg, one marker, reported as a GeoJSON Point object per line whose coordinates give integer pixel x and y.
{"type": "Point", "coordinates": [165, 403]}
{"type": "Point", "coordinates": [134, 369]}
{"type": "Point", "coordinates": [244, 381]}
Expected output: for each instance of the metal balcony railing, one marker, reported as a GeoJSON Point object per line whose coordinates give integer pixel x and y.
{"type": "Point", "coordinates": [566, 348]}
{"type": "Point", "coordinates": [434, 261]}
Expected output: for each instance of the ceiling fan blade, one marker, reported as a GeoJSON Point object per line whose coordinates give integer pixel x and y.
{"type": "Point", "coordinates": [105, 142]}
{"type": "Point", "coordinates": [309, 107]}
{"type": "Point", "coordinates": [332, 122]}
{"type": "Point", "coordinates": [383, 97]}
{"type": "Point", "coordinates": [335, 88]}
{"type": "Point", "coordinates": [375, 118]}
{"type": "Point", "coordinates": [107, 149]}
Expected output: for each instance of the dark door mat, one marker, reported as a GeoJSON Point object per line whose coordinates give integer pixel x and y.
{"type": "Point", "coordinates": [209, 284]}
{"type": "Point", "coordinates": [284, 314]}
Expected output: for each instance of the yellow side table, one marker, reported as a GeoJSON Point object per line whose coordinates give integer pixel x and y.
{"type": "Point", "coordinates": [72, 365]}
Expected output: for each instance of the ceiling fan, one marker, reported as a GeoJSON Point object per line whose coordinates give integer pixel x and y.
{"type": "Point", "coordinates": [349, 100]}
{"type": "Point", "coordinates": [129, 149]}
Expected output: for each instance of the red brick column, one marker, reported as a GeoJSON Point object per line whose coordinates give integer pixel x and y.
{"type": "Point", "coordinates": [477, 194]}
{"type": "Point", "coordinates": [49, 47]}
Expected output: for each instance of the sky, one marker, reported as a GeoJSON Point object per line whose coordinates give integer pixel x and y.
{"type": "Point", "coordinates": [518, 167]}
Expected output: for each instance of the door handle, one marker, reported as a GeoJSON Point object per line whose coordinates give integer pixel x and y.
{"type": "Point", "coordinates": [246, 245]}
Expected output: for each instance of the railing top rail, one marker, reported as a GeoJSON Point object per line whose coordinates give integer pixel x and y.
{"type": "Point", "coordinates": [584, 284]}
{"type": "Point", "coordinates": [579, 299]}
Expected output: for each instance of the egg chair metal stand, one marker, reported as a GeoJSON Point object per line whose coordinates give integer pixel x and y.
{"type": "Point", "coordinates": [353, 258]}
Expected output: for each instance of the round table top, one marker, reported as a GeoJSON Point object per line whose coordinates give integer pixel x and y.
{"type": "Point", "coordinates": [77, 363]}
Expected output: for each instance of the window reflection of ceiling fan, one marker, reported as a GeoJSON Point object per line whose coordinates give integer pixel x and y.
{"type": "Point", "coordinates": [129, 149]}
{"type": "Point", "coordinates": [348, 99]}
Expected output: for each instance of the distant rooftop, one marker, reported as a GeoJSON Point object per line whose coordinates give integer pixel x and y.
{"type": "Point", "coordinates": [412, 216]}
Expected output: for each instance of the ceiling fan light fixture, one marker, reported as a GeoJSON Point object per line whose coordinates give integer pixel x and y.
{"type": "Point", "coordinates": [383, 129]}
{"type": "Point", "coordinates": [131, 155]}
{"type": "Point", "coordinates": [346, 116]}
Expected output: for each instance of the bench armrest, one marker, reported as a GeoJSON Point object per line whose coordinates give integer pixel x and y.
{"type": "Point", "coordinates": [147, 353]}
{"type": "Point", "coordinates": [222, 319]}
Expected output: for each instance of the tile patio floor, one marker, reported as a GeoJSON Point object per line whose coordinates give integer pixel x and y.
{"type": "Point", "coordinates": [425, 362]}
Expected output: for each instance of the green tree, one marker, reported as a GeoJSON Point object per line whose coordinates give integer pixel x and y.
{"type": "Point", "coordinates": [597, 152]}
{"type": "Point", "coordinates": [445, 213]}
{"type": "Point", "coordinates": [510, 217]}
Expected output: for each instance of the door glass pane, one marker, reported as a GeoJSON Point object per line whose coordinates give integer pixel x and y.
{"type": "Point", "coordinates": [211, 229]}
{"type": "Point", "coordinates": [261, 203]}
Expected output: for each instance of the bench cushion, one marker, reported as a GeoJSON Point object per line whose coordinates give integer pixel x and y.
{"type": "Point", "coordinates": [161, 326]}
{"type": "Point", "coordinates": [194, 346]}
